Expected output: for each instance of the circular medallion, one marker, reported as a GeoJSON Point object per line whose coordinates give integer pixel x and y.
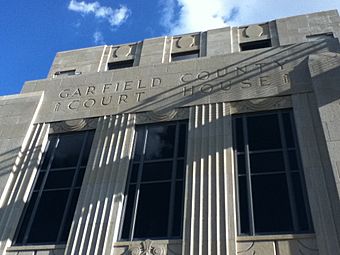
{"type": "Point", "coordinates": [254, 31]}
{"type": "Point", "coordinates": [185, 42]}
{"type": "Point", "coordinates": [123, 51]}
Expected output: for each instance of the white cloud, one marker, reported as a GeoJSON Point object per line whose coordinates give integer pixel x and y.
{"type": "Point", "coordinates": [114, 16]}
{"type": "Point", "coordinates": [200, 15]}
{"type": "Point", "coordinates": [98, 38]}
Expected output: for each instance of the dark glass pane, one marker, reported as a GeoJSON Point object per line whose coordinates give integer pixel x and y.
{"type": "Point", "coordinates": [153, 211]}
{"type": "Point", "coordinates": [26, 218]}
{"type": "Point", "coordinates": [272, 212]}
{"type": "Point", "coordinates": [243, 205]}
{"type": "Point", "coordinates": [182, 140]}
{"type": "Point", "coordinates": [160, 142]}
{"type": "Point", "coordinates": [140, 132]}
{"type": "Point", "coordinates": [59, 179]}
{"type": "Point", "coordinates": [87, 148]}
{"type": "Point", "coordinates": [266, 162]}
{"type": "Point", "coordinates": [157, 171]}
{"type": "Point", "coordinates": [263, 132]}
{"type": "Point", "coordinates": [39, 180]}
{"type": "Point", "coordinates": [80, 176]}
{"type": "Point", "coordinates": [288, 130]}
{"type": "Point", "coordinates": [48, 155]}
{"type": "Point", "coordinates": [300, 203]}
{"type": "Point", "coordinates": [48, 218]}
{"type": "Point", "coordinates": [184, 55]}
{"type": "Point", "coordinates": [241, 164]}
{"type": "Point", "coordinates": [120, 64]}
{"type": "Point", "coordinates": [180, 169]}
{"type": "Point", "coordinates": [68, 150]}
{"type": "Point", "coordinates": [293, 163]}
{"type": "Point", "coordinates": [69, 216]}
{"type": "Point", "coordinates": [134, 173]}
{"type": "Point", "coordinates": [239, 134]}
{"type": "Point", "coordinates": [178, 210]}
{"type": "Point", "coordinates": [128, 212]}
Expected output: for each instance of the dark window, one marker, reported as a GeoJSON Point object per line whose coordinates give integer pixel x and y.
{"type": "Point", "coordinates": [120, 64]}
{"type": "Point", "coordinates": [184, 55]}
{"type": "Point", "coordinates": [322, 36]}
{"type": "Point", "coordinates": [49, 213]}
{"type": "Point", "coordinates": [154, 205]}
{"type": "Point", "coordinates": [271, 194]}
{"type": "Point", "coordinates": [255, 45]}
{"type": "Point", "coordinates": [66, 73]}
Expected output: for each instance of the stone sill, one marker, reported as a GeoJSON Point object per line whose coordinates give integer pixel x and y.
{"type": "Point", "coordinates": [36, 247]}
{"type": "Point", "coordinates": [275, 237]}
{"type": "Point", "coordinates": [162, 241]}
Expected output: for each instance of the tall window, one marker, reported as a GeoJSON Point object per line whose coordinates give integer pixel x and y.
{"type": "Point", "coordinates": [49, 214]}
{"type": "Point", "coordinates": [271, 194]}
{"type": "Point", "coordinates": [154, 206]}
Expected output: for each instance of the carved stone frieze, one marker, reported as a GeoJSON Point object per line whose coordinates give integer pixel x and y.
{"type": "Point", "coordinates": [160, 116]}
{"type": "Point", "coordinates": [254, 31]}
{"type": "Point", "coordinates": [148, 247]}
{"type": "Point", "coordinates": [73, 125]}
{"type": "Point", "coordinates": [123, 51]}
{"type": "Point", "coordinates": [186, 42]}
{"type": "Point", "coordinates": [263, 104]}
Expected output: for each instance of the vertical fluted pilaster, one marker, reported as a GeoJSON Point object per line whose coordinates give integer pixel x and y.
{"type": "Point", "coordinates": [20, 183]}
{"type": "Point", "coordinates": [97, 216]}
{"type": "Point", "coordinates": [209, 195]}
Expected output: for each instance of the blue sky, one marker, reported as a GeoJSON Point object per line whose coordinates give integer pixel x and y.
{"type": "Point", "coordinates": [32, 32]}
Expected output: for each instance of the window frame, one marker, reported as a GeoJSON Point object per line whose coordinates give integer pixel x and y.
{"type": "Point", "coordinates": [287, 171]}
{"type": "Point", "coordinates": [141, 162]}
{"type": "Point", "coordinates": [185, 55]}
{"type": "Point", "coordinates": [74, 187]}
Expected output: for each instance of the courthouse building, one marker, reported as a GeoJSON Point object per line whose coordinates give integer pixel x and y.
{"type": "Point", "coordinates": [219, 142]}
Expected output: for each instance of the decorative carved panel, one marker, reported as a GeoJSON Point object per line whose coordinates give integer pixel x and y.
{"type": "Point", "coordinates": [160, 116]}
{"type": "Point", "coordinates": [73, 125]}
{"type": "Point", "coordinates": [254, 31]}
{"type": "Point", "coordinates": [263, 104]}
{"type": "Point", "coordinates": [123, 51]}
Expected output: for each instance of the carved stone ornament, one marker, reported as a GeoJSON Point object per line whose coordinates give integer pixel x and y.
{"type": "Point", "coordinates": [186, 42]}
{"type": "Point", "coordinates": [73, 125]}
{"type": "Point", "coordinates": [254, 31]}
{"type": "Point", "coordinates": [160, 116]}
{"type": "Point", "coordinates": [123, 51]}
{"type": "Point", "coordinates": [263, 104]}
{"type": "Point", "coordinates": [148, 247]}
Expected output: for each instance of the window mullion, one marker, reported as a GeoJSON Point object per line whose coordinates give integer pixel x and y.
{"type": "Point", "coordinates": [173, 183]}
{"type": "Point", "coordinates": [70, 195]}
{"type": "Point", "coordinates": [288, 175]}
{"type": "Point", "coordinates": [35, 208]}
{"type": "Point", "coordinates": [248, 179]}
{"type": "Point", "coordinates": [138, 183]}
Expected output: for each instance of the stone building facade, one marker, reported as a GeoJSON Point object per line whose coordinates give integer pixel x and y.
{"type": "Point", "coordinates": [218, 142]}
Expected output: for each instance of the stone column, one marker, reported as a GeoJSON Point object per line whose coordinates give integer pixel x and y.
{"type": "Point", "coordinates": [209, 218]}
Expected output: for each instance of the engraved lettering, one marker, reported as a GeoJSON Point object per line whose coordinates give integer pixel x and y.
{"type": "Point", "coordinates": [191, 89]}
{"type": "Point", "coordinates": [225, 85]}
{"type": "Point", "coordinates": [103, 102]}
{"type": "Point", "coordinates": [122, 98]}
{"type": "Point", "coordinates": [285, 78]}
{"type": "Point", "coordinates": [117, 86]}
{"type": "Point", "coordinates": [106, 87]}
{"type": "Point", "coordinates": [139, 94]}
{"type": "Point", "coordinates": [89, 103]}
{"type": "Point", "coordinates": [64, 93]}
{"type": "Point", "coordinates": [241, 70]}
{"type": "Point", "coordinates": [206, 88]}
{"type": "Point", "coordinates": [264, 81]}
{"type": "Point", "coordinates": [73, 105]}
{"type": "Point", "coordinates": [222, 72]}
{"type": "Point", "coordinates": [76, 93]}
{"type": "Point", "coordinates": [204, 75]}
{"type": "Point", "coordinates": [57, 107]}
{"type": "Point", "coordinates": [139, 85]}
{"type": "Point", "coordinates": [127, 85]}
{"type": "Point", "coordinates": [186, 77]}
{"type": "Point", "coordinates": [246, 84]}
{"type": "Point", "coordinates": [260, 65]}
{"type": "Point", "coordinates": [90, 89]}
{"type": "Point", "coordinates": [155, 82]}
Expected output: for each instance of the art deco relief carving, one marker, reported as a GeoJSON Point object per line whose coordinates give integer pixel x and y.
{"type": "Point", "coordinates": [270, 103]}
{"type": "Point", "coordinates": [123, 51]}
{"type": "Point", "coordinates": [254, 31]}
{"type": "Point", "coordinates": [148, 247]}
{"type": "Point", "coordinates": [159, 116]}
{"type": "Point", "coordinates": [186, 42]}
{"type": "Point", "coordinates": [73, 125]}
